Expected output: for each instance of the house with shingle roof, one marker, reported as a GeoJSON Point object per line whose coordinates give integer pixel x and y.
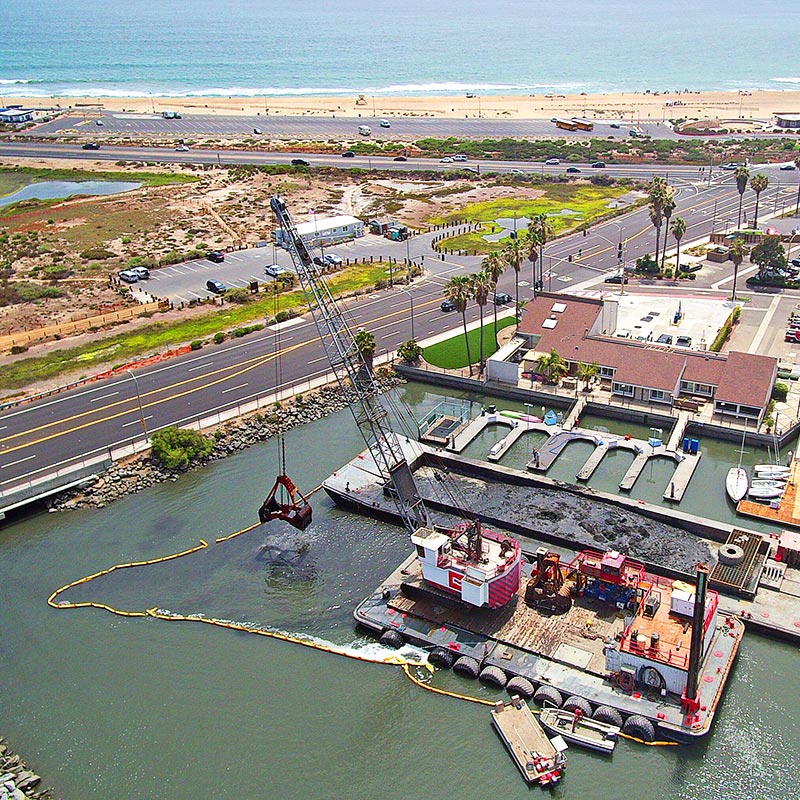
{"type": "Point", "coordinates": [581, 330]}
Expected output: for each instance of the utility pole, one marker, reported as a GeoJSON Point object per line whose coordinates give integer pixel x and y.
{"type": "Point", "coordinates": [139, 398]}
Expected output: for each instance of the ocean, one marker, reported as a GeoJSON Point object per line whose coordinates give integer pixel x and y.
{"type": "Point", "coordinates": [121, 48]}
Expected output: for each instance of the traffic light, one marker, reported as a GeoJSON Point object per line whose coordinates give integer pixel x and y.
{"type": "Point", "coordinates": [619, 252]}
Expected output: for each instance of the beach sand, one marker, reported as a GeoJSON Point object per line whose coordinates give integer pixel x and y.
{"type": "Point", "coordinates": [633, 106]}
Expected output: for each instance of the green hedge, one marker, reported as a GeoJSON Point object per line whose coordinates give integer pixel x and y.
{"type": "Point", "coordinates": [725, 330]}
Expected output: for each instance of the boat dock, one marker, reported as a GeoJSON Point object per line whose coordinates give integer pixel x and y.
{"type": "Point", "coordinates": [534, 754]}
{"type": "Point", "coordinates": [785, 510]}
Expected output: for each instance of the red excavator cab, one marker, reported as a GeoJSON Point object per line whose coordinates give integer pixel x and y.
{"type": "Point", "coordinates": [296, 513]}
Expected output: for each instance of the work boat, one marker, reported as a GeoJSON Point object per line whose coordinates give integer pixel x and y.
{"type": "Point", "coordinates": [479, 566]}
{"type": "Point", "coordinates": [736, 483]}
{"type": "Point", "coordinates": [577, 729]}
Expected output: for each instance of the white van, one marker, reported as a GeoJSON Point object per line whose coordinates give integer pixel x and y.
{"type": "Point", "coordinates": [460, 157]}
{"type": "Point", "coordinates": [364, 130]}
{"type": "Point", "coordinates": [385, 123]}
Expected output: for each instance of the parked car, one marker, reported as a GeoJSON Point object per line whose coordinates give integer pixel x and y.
{"type": "Point", "coordinates": [789, 166]}
{"type": "Point", "coordinates": [300, 162]}
{"type": "Point", "coordinates": [400, 158]}
{"type": "Point", "coordinates": [274, 270]}
{"type": "Point", "coordinates": [320, 261]}
{"type": "Point", "coordinates": [792, 336]}
{"type": "Point", "coordinates": [142, 273]}
{"type": "Point", "coordinates": [90, 146]}
{"type": "Point", "coordinates": [683, 341]}
{"type": "Point", "coordinates": [665, 338]}
{"type": "Point", "coordinates": [99, 123]}
{"type": "Point", "coordinates": [501, 298]}
{"type": "Point", "coordinates": [348, 154]}
{"type": "Point", "coordinates": [616, 279]}
{"type": "Point", "coordinates": [217, 287]}
{"type": "Point", "coordinates": [448, 305]}
{"type": "Point", "coordinates": [795, 262]}
{"type": "Point", "coordinates": [332, 258]}
{"type": "Point", "coordinates": [572, 170]}
{"type": "Point", "coordinates": [217, 256]}
{"type": "Point", "coordinates": [384, 123]}
{"type": "Point", "coordinates": [129, 276]}
{"type": "Point", "coordinates": [599, 165]}
{"type": "Point", "coordinates": [553, 161]}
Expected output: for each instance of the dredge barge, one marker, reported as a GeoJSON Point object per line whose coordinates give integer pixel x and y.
{"type": "Point", "coordinates": [626, 647]}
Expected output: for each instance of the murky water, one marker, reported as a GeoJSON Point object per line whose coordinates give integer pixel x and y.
{"type": "Point", "coordinates": [50, 190]}
{"type": "Point", "coordinates": [106, 707]}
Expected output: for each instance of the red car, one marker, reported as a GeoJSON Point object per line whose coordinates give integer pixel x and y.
{"type": "Point", "coordinates": [792, 336]}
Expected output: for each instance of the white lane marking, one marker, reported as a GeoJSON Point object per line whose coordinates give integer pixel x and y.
{"type": "Point", "coordinates": [200, 366]}
{"type": "Point", "coordinates": [234, 388]}
{"type": "Point", "coordinates": [137, 421]}
{"type": "Point", "coordinates": [19, 461]}
{"type": "Point", "coordinates": [317, 360]}
{"type": "Point", "coordinates": [103, 397]}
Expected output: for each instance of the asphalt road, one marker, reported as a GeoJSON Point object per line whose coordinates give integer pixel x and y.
{"type": "Point", "coordinates": [329, 127]}
{"type": "Point", "coordinates": [35, 436]}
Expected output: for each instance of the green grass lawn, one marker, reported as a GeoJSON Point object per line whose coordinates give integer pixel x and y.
{"type": "Point", "coordinates": [125, 346]}
{"type": "Point", "coordinates": [452, 353]}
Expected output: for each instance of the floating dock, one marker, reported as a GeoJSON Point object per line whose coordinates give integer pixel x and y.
{"type": "Point", "coordinates": [785, 510]}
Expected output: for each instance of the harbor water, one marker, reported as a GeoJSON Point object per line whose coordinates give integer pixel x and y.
{"type": "Point", "coordinates": [108, 707]}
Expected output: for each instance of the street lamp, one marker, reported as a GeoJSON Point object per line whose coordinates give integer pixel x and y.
{"type": "Point", "coordinates": [139, 398]}
{"type": "Point", "coordinates": [411, 301]}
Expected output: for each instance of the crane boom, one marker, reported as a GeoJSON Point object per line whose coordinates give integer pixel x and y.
{"type": "Point", "coordinates": [351, 370]}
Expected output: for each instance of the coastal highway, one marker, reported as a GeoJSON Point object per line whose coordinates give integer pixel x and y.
{"type": "Point", "coordinates": [35, 436]}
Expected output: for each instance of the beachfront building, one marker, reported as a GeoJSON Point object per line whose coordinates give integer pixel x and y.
{"type": "Point", "coordinates": [325, 231]}
{"type": "Point", "coordinates": [583, 331]}
{"type": "Point", "coordinates": [787, 120]}
{"type": "Point", "coordinates": [15, 116]}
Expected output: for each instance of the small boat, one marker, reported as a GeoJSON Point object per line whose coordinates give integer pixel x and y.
{"type": "Point", "coordinates": [765, 492]}
{"type": "Point", "coordinates": [736, 483]}
{"type": "Point", "coordinates": [575, 728]}
{"type": "Point", "coordinates": [771, 471]}
{"type": "Point", "coordinates": [539, 760]}
{"type": "Point", "coordinates": [774, 483]}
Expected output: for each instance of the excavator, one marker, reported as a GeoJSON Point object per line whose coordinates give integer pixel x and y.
{"type": "Point", "coordinates": [479, 567]}
{"type": "Point", "coordinates": [547, 588]}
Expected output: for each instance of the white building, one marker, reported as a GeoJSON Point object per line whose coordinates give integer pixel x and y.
{"type": "Point", "coordinates": [325, 231]}
{"type": "Point", "coordinates": [16, 115]}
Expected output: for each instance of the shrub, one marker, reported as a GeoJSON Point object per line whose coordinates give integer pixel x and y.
{"type": "Point", "coordinates": [195, 345]}
{"type": "Point", "coordinates": [238, 295]}
{"type": "Point", "coordinates": [97, 254]}
{"type": "Point", "coordinates": [410, 352]}
{"type": "Point", "coordinates": [16, 349]}
{"type": "Point", "coordinates": [780, 392]}
{"type": "Point", "coordinates": [140, 261]}
{"type": "Point", "coordinates": [176, 447]}
{"type": "Point", "coordinates": [219, 337]}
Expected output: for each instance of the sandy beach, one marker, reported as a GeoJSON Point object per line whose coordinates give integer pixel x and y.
{"type": "Point", "coordinates": [756, 104]}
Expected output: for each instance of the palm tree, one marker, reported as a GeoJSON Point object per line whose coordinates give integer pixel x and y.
{"type": "Point", "coordinates": [457, 291]}
{"type": "Point", "coordinates": [494, 266]}
{"type": "Point", "coordinates": [742, 176]}
{"type": "Point", "coordinates": [797, 203]}
{"type": "Point", "coordinates": [511, 254]}
{"type": "Point", "coordinates": [669, 207]}
{"type": "Point", "coordinates": [758, 183]}
{"type": "Point", "coordinates": [737, 252]}
{"type": "Point", "coordinates": [588, 372]}
{"type": "Point", "coordinates": [530, 242]}
{"type": "Point", "coordinates": [553, 366]}
{"type": "Point", "coordinates": [480, 285]}
{"type": "Point", "coordinates": [543, 231]}
{"type": "Point", "coordinates": [656, 208]}
{"type": "Point", "coordinates": [678, 231]}
{"type": "Point", "coordinates": [365, 344]}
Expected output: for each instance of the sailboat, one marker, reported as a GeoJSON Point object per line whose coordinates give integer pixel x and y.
{"type": "Point", "coordinates": [771, 471]}
{"type": "Point", "coordinates": [769, 491]}
{"type": "Point", "coordinates": [736, 481]}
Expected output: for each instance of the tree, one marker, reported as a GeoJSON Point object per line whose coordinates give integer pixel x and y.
{"type": "Point", "coordinates": [175, 447]}
{"type": "Point", "coordinates": [553, 366]}
{"type": "Point", "coordinates": [543, 231]}
{"type": "Point", "coordinates": [511, 254]}
{"type": "Point", "coordinates": [493, 266]}
{"type": "Point", "coordinates": [742, 176]}
{"type": "Point", "coordinates": [738, 251]}
{"type": "Point", "coordinates": [769, 254]}
{"type": "Point", "coordinates": [531, 248]}
{"type": "Point", "coordinates": [669, 207]}
{"type": "Point", "coordinates": [678, 231]}
{"type": "Point", "coordinates": [410, 352]}
{"type": "Point", "coordinates": [457, 291]}
{"type": "Point", "coordinates": [656, 207]}
{"type": "Point", "coordinates": [365, 344]}
{"type": "Point", "coordinates": [588, 372]}
{"type": "Point", "coordinates": [758, 183]}
{"type": "Point", "coordinates": [480, 285]}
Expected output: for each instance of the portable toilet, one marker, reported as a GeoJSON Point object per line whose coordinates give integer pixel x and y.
{"type": "Point", "coordinates": [695, 446]}
{"type": "Point", "coordinates": [686, 444]}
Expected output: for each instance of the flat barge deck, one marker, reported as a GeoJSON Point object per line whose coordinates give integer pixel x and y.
{"type": "Point", "coordinates": [564, 652]}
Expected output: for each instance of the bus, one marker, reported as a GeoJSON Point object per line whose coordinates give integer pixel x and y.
{"type": "Point", "coordinates": [583, 124]}
{"type": "Point", "coordinates": [566, 124]}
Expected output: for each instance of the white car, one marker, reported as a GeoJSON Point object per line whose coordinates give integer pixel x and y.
{"type": "Point", "coordinates": [446, 160]}
{"type": "Point", "coordinates": [385, 123]}
{"type": "Point", "coordinates": [517, 172]}
{"type": "Point", "coordinates": [274, 270]}
{"type": "Point", "coordinates": [553, 162]}
{"type": "Point", "coordinates": [129, 276]}
{"type": "Point", "coordinates": [182, 148]}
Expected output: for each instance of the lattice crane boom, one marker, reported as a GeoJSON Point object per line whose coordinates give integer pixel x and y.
{"type": "Point", "coordinates": [352, 371]}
